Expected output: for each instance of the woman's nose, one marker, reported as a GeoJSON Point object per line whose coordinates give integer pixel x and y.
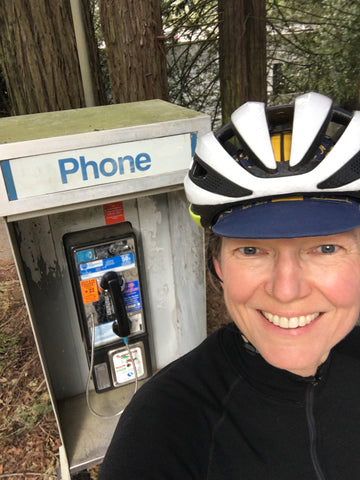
{"type": "Point", "coordinates": [288, 281]}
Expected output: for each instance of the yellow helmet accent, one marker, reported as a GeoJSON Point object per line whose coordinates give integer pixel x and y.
{"type": "Point", "coordinates": [196, 218]}
{"type": "Point", "coordinates": [281, 144]}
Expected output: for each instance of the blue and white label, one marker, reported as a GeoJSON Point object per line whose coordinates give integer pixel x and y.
{"type": "Point", "coordinates": [99, 267]}
{"type": "Point", "coordinates": [104, 334]}
{"type": "Point", "coordinates": [132, 297]}
{"type": "Point", "coordinates": [85, 255]}
{"type": "Point", "coordinates": [62, 171]}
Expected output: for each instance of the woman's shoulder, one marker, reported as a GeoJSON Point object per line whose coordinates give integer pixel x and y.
{"type": "Point", "coordinates": [350, 345]}
{"type": "Point", "coordinates": [206, 368]}
{"type": "Point", "coordinates": [215, 350]}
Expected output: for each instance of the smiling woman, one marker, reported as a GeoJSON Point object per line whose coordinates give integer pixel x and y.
{"type": "Point", "coordinates": [274, 395]}
{"type": "Point", "coordinates": [298, 298]}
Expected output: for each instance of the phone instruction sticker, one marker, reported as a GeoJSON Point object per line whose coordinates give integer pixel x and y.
{"type": "Point", "coordinates": [132, 297]}
{"type": "Point", "coordinates": [89, 290]}
{"type": "Point", "coordinates": [123, 368]}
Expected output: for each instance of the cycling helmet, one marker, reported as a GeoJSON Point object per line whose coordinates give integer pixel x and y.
{"type": "Point", "coordinates": [284, 171]}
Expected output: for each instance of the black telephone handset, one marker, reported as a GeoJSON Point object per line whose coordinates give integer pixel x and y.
{"type": "Point", "coordinates": [111, 282]}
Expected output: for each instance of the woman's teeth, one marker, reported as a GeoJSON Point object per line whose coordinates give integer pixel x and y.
{"type": "Point", "coordinates": [293, 322]}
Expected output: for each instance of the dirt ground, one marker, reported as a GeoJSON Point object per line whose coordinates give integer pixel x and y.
{"type": "Point", "coordinates": [29, 439]}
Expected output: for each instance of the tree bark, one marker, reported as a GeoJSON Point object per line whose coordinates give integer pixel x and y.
{"type": "Point", "coordinates": [38, 56]}
{"type": "Point", "coordinates": [136, 59]}
{"type": "Point", "coordinates": [242, 50]}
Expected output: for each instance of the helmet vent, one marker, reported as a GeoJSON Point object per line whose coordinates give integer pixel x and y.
{"type": "Point", "coordinates": [198, 171]}
{"type": "Point", "coordinates": [345, 175]}
{"type": "Point", "coordinates": [208, 179]}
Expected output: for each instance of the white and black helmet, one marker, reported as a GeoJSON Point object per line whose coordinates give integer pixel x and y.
{"type": "Point", "coordinates": [309, 148]}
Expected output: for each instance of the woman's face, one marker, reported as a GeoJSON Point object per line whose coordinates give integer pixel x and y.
{"type": "Point", "coordinates": [293, 299]}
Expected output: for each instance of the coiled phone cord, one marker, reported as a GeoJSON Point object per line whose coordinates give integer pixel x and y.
{"type": "Point", "coordinates": [92, 410]}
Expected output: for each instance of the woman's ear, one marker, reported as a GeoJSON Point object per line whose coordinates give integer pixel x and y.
{"type": "Point", "coordinates": [216, 269]}
{"type": "Point", "coordinates": [212, 254]}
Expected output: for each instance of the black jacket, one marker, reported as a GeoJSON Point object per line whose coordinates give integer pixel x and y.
{"type": "Point", "coordinates": [222, 412]}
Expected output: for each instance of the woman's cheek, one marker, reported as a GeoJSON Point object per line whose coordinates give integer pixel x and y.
{"type": "Point", "coordinates": [341, 288]}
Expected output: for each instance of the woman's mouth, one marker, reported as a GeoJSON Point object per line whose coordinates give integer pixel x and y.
{"type": "Point", "coordinates": [292, 322]}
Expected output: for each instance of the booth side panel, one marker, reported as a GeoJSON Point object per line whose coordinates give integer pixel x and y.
{"type": "Point", "coordinates": [187, 247]}
{"type": "Point", "coordinates": [173, 250]}
{"type": "Point", "coordinates": [156, 242]}
{"type": "Point", "coordinates": [51, 312]}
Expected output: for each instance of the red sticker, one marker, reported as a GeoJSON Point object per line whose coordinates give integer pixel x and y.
{"type": "Point", "coordinates": [114, 213]}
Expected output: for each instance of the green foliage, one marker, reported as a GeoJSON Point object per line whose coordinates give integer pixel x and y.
{"type": "Point", "coordinates": [26, 417]}
{"type": "Point", "coordinates": [95, 15]}
{"type": "Point", "coordinates": [311, 46]}
{"type": "Point", "coordinates": [315, 46]}
{"type": "Point", "coordinates": [7, 344]}
{"type": "Point", "coordinates": [191, 28]}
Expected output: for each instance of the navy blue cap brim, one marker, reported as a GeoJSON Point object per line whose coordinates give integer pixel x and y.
{"type": "Point", "coordinates": [289, 218]}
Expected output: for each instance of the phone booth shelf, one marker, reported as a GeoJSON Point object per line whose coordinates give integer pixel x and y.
{"type": "Point", "coordinates": [117, 168]}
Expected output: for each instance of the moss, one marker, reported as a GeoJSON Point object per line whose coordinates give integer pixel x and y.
{"type": "Point", "coordinates": [82, 120]}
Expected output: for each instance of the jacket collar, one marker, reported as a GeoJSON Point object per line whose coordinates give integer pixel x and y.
{"type": "Point", "coordinates": [267, 379]}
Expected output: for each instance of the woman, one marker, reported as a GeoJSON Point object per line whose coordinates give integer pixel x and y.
{"type": "Point", "coordinates": [275, 394]}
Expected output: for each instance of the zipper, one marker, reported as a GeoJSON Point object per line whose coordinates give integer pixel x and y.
{"type": "Point", "coordinates": [312, 429]}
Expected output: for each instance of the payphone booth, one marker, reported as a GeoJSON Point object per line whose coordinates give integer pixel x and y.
{"type": "Point", "coordinates": [110, 263]}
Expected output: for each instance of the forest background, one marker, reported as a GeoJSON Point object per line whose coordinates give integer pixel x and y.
{"type": "Point", "coordinates": [209, 56]}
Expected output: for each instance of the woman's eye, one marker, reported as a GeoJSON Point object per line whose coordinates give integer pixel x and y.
{"type": "Point", "coordinates": [249, 250]}
{"type": "Point", "coordinates": [327, 248]}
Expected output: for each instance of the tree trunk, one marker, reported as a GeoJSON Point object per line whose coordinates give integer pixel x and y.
{"type": "Point", "coordinates": [256, 51]}
{"type": "Point", "coordinates": [242, 49]}
{"type": "Point", "coordinates": [136, 59]}
{"type": "Point", "coordinates": [38, 56]}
